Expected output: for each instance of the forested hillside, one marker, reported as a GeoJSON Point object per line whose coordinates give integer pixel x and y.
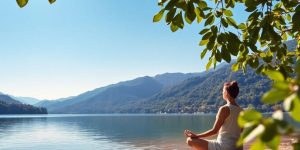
{"type": "Point", "coordinates": [204, 94]}
{"type": "Point", "coordinates": [9, 105]}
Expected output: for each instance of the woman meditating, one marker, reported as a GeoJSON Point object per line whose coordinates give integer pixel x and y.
{"type": "Point", "coordinates": [225, 125]}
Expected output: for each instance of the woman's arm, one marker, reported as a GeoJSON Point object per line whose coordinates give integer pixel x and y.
{"type": "Point", "coordinates": [223, 113]}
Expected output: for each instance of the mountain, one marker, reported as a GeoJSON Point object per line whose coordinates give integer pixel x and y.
{"type": "Point", "coordinates": [122, 92]}
{"type": "Point", "coordinates": [204, 94]}
{"type": "Point", "coordinates": [26, 100]}
{"type": "Point", "coordinates": [102, 99]}
{"type": "Point", "coordinates": [195, 92]}
{"type": "Point", "coordinates": [9, 105]}
{"type": "Point", "coordinates": [170, 93]}
{"type": "Point", "coordinates": [7, 99]}
{"type": "Point", "coordinates": [171, 79]}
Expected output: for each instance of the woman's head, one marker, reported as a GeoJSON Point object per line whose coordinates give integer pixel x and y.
{"type": "Point", "coordinates": [230, 90]}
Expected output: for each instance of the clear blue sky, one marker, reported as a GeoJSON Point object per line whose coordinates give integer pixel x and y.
{"type": "Point", "coordinates": [64, 49]}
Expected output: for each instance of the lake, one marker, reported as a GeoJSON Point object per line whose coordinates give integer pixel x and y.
{"type": "Point", "coordinates": [99, 132]}
{"type": "Point", "coordinates": [95, 132]}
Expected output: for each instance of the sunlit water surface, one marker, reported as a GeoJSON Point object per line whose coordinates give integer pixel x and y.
{"type": "Point", "coordinates": [98, 132]}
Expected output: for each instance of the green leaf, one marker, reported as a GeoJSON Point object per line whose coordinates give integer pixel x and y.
{"type": "Point", "coordinates": [178, 21]}
{"type": "Point", "coordinates": [233, 47]}
{"type": "Point", "coordinates": [170, 15]}
{"type": "Point", "coordinates": [208, 64]}
{"type": "Point", "coordinates": [214, 30]}
{"type": "Point", "coordinates": [281, 85]}
{"type": "Point", "coordinates": [203, 31]}
{"type": "Point", "coordinates": [203, 53]}
{"type": "Point", "coordinates": [190, 14]}
{"type": "Point", "coordinates": [22, 3]}
{"type": "Point", "coordinates": [210, 20]}
{"type": "Point", "coordinates": [231, 22]}
{"type": "Point", "coordinates": [51, 1]}
{"type": "Point", "coordinates": [233, 43]}
{"type": "Point", "coordinates": [248, 116]}
{"type": "Point", "coordinates": [273, 96]}
{"type": "Point", "coordinates": [218, 56]}
{"type": "Point", "coordinates": [158, 16]}
{"type": "Point", "coordinates": [221, 39]}
{"type": "Point", "coordinates": [225, 54]}
{"type": "Point", "coordinates": [211, 42]}
{"type": "Point", "coordinates": [295, 109]}
{"type": "Point", "coordinates": [181, 4]}
{"type": "Point", "coordinates": [288, 17]}
{"type": "Point", "coordinates": [257, 145]}
{"type": "Point", "coordinates": [215, 63]}
{"type": "Point", "coordinates": [227, 12]}
{"type": "Point", "coordinates": [270, 132]}
{"type": "Point", "coordinates": [242, 26]}
{"type": "Point", "coordinates": [296, 20]}
{"type": "Point", "coordinates": [202, 4]}
{"type": "Point", "coordinates": [251, 3]}
{"type": "Point", "coordinates": [207, 36]}
{"type": "Point", "coordinates": [171, 4]}
{"type": "Point", "coordinates": [231, 3]}
{"type": "Point", "coordinates": [173, 27]}
{"type": "Point", "coordinates": [203, 42]}
{"type": "Point", "coordinates": [224, 23]}
{"type": "Point", "coordinates": [284, 37]}
{"type": "Point", "coordinates": [274, 143]}
{"type": "Point", "coordinates": [274, 75]}
{"type": "Point", "coordinates": [235, 67]}
{"type": "Point", "coordinates": [198, 14]}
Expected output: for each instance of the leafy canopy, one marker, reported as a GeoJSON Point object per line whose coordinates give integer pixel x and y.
{"type": "Point", "coordinates": [259, 43]}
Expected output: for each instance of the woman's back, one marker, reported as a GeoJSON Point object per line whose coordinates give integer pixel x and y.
{"type": "Point", "coordinates": [230, 131]}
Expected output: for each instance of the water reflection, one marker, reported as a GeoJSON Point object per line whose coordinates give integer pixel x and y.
{"type": "Point", "coordinates": [98, 131]}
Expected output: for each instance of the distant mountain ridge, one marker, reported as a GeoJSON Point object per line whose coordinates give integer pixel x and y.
{"type": "Point", "coordinates": [115, 94]}
{"type": "Point", "coordinates": [167, 79]}
{"type": "Point", "coordinates": [204, 94]}
{"type": "Point", "coordinates": [26, 100]}
{"type": "Point", "coordinates": [9, 105]}
{"type": "Point", "coordinates": [195, 92]}
{"type": "Point", "coordinates": [7, 99]}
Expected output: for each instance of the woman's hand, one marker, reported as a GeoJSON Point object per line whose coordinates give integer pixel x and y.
{"type": "Point", "coordinates": [190, 134]}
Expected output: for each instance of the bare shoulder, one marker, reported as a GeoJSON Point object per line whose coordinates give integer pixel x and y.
{"type": "Point", "coordinates": [224, 111]}
{"type": "Point", "coordinates": [224, 108]}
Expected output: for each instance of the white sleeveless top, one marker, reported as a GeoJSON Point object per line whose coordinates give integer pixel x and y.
{"type": "Point", "coordinates": [229, 132]}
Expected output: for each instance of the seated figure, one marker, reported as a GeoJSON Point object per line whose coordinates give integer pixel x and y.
{"type": "Point", "coordinates": [225, 126]}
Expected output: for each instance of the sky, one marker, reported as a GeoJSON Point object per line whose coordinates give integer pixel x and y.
{"type": "Point", "coordinates": [60, 50]}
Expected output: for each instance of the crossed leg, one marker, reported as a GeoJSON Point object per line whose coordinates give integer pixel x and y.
{"type": "Point", "coordinates": [197, 144]}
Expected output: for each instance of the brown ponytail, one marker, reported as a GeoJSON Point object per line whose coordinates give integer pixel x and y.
{"type": "Point", "coordinates": [232, 88]}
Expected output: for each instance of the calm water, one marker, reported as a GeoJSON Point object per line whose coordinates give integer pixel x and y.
{"type": "Point", "coordinates": [95, 132]}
